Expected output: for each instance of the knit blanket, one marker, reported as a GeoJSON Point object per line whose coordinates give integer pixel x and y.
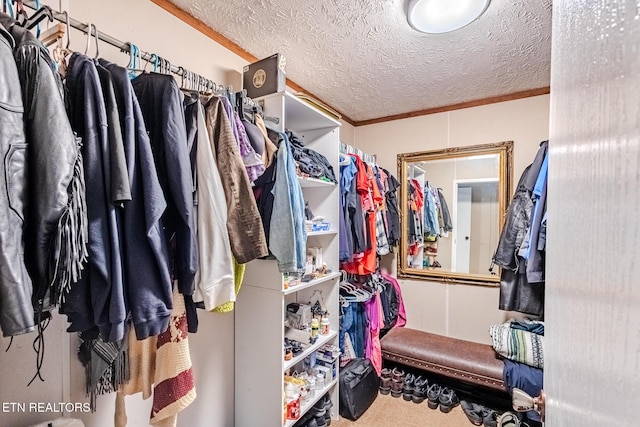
{"type": "Point", "coordinates": [165, 362]}
{"type": "Point", "coordinates": [174, 388]}
{"type": "Point", "coordinates": [518, 345]}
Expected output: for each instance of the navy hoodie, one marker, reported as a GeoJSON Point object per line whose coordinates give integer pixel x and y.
{"type": "Point", "coordinates": [162, 108]}
{"type": "Point", "coordinates": [97, 300]}
{"type": "Point", "coordinates": [146, 254]}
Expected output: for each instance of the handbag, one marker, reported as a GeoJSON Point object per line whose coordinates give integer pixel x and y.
{"type": "Point", "coordinates": [358, 388]}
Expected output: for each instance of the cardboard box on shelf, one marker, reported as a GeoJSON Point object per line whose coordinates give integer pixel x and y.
{"type": "Point", "coordinates": [264, 77]}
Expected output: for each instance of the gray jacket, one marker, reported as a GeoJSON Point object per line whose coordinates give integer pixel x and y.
{"type": "Point", "coordinates": [16, 312]}
{"type": "Point", "coordinates": [516, 293]}
{"type": "Point", "coordinates": [518, 218]}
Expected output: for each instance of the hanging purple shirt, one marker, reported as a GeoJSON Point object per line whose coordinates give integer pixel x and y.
{"type": "Point", "coordinates": [252, 161]}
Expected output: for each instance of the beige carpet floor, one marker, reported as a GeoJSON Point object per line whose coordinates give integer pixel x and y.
{"type": "Point", "coordinates": [387, 411]}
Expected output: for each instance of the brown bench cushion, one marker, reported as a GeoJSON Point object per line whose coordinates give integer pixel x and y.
{"type": "Point", "coordinates": [465, 361]}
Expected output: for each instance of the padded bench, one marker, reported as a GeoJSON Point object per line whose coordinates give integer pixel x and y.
{"type": "Point", "coordinates": [464, 361]}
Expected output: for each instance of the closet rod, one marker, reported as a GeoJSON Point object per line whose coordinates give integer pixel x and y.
{"type": "Point", "coordinates": [348, 149]}
{"type": "Point", "coordinates": [123, 46]}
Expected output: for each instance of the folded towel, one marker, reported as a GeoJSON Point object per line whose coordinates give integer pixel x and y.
{"type": "Point", "coordinates": [518, 345]}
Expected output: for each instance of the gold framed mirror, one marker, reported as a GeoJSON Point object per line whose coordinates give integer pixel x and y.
{"type": "Point", "coordinates": [453, 204]}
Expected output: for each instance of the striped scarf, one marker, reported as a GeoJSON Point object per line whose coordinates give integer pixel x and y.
{"type": "Point", "coordinates": [106, 366]}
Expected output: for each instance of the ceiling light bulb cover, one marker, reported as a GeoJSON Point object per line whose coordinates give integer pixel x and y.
{"type": "Point", "coordinates": [442, 16]}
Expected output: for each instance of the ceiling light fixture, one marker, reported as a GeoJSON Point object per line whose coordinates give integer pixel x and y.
{"type": "Point", "coordinates": [442, 16]}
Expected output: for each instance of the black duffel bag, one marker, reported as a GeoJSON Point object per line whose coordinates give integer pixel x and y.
{"type": "Point", "coordinates": [358, 388]}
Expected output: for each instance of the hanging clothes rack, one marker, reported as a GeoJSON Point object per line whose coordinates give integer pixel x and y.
{"type": "Point", "coordinates": [348, 149]}
{"type": "Point", "coordinates": [125, 47]}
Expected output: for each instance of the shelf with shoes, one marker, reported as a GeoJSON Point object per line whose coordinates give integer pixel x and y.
{"type": "Point", "coordinates": [316, 397]}
{"type": "Point", "coordinates": [322, 340]}
{"type": "Point", "coordinates": [260, 311]}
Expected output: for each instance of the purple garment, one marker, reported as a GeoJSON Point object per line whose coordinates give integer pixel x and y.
{"type": "Point", "coordinates": [372, 348]}
{"type": "Point", "coordinates": [252, 161]}
{"type": "Point", "coordinates": [228, 108]}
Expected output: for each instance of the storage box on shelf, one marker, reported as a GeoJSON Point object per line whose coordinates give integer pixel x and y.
{"type": "Point", "coordinates": [260, 312]}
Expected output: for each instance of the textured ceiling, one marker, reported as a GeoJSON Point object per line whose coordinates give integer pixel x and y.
{"type": "Point", "coordinates": [362, 58]}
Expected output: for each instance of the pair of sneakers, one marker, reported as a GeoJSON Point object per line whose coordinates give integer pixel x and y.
{"type": "Point", "coordinates": [444, 397]}
{"type": "Point", "coordinates": [319, 415]}
{"type": "Point", "coordinates": [391, 381]}
{"type": "Point", "coordinates": [479, 415]}
{"type": "Point", "coordinates": [414, 388]}
{"type": "Point", "coordinates": [385, 381]}
{"type": "Point", "coordinates": [511, 419]}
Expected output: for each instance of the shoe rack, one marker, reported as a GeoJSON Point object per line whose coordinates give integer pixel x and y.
{"type": "Point", "coordinates": [261, 304]}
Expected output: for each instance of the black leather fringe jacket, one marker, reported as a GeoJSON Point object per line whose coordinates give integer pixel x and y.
{"type": "Point", "coordinates": [45, 188]}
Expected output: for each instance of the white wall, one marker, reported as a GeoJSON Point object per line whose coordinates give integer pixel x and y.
{"type": "Point", "coordinates": [347, 133]}
{"type": "Point", "coordinates": [461, 311]}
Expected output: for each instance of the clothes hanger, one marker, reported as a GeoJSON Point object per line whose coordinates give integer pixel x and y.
{"type": "Point", "coordinates": [153, 59]}
{"type": "Point", "coordinates": [8, 5]}
{"type": "Point", "coordinates": [20, 13]}
{"type": "Point", "coordinates": [182, 73]}
{"type": "Point", "coordinates": [161, 65]}
{"type": "Point", "coordinates": [165, 66]}
{"type": "Point", "coordinates": [61, 54]}
{"type": "Point", "coordinates": [358, 293]}
{"type": "Point", "coordinates": [343, 301]}
{"type": "Point", "coordinates": [95, 34]}
{"type": "Point", "coordinates": [44, 12]}
{"type": "Point", "coordinates": [134, 57]}
{"type": "Point", "coordinates": [88, 30]}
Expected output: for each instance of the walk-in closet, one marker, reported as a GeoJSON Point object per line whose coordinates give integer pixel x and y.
{"type": "Point", "coordinates": [288, 213]}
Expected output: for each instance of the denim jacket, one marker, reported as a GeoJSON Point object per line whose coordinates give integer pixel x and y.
{"type": "Point", "coordinates": [287, 234]}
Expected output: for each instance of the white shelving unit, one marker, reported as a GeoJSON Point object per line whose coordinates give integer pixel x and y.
{"type": "Point", "coordinates": [261, 304]}
{"type": "Point", "coordinates": [321, 233]}
{"type": "Point", "coordinates": [314, 182]}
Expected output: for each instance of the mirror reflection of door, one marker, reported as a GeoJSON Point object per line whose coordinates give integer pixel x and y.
{"type": "Point", "coordinates": [475, 229]}
{"type": "Point", "coordinates": [462, 230]}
